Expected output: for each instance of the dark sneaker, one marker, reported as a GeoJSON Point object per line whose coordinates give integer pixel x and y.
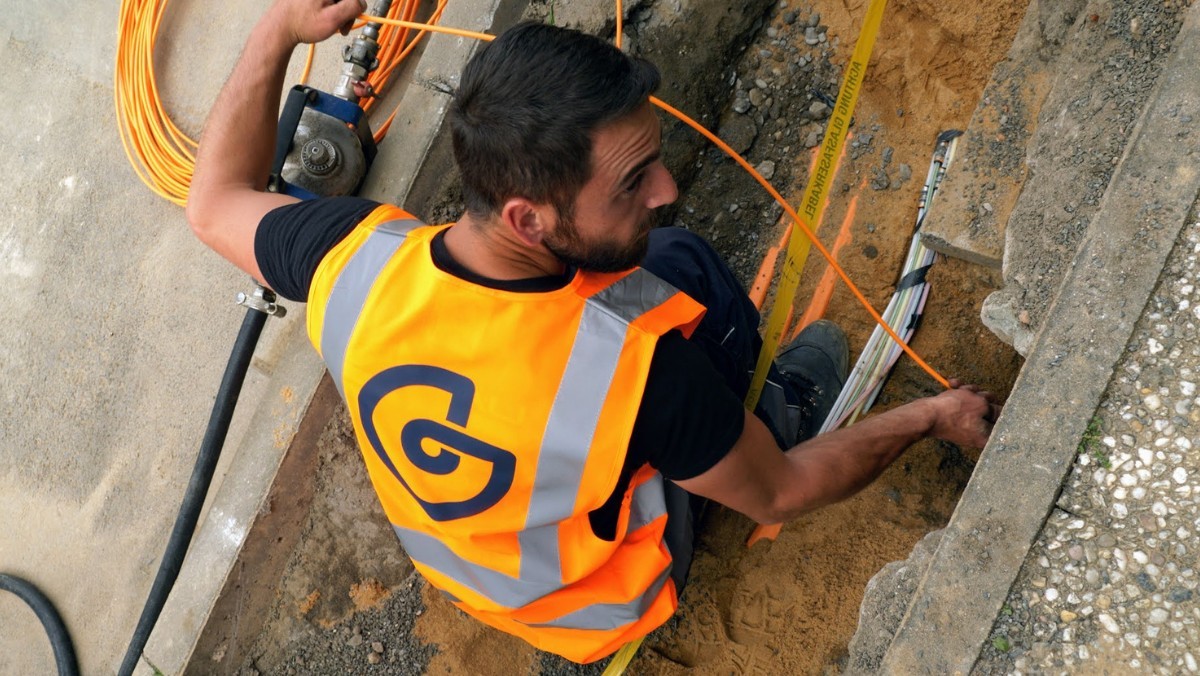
{"type": "Point", "coordinates": [815, 365]}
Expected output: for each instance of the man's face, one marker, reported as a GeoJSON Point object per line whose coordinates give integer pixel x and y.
{"type": "Point", "coordinates": [608, 228]}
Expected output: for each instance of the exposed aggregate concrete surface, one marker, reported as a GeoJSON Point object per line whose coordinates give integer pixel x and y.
{"type": "Point", "coordinates": [1111, 583]}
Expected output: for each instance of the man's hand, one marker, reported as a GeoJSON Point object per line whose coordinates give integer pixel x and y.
{"type": "Point", "coordinates": [308, 21]}
{"type": "Point", "coordinates": [964, 415]}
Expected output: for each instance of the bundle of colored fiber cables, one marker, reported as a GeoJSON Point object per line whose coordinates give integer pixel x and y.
{"type": "Point", "coordinates": [903, 312]}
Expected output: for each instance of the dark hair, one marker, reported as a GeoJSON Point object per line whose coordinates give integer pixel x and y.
{"type": "Point", "coordinates": [525, 110]}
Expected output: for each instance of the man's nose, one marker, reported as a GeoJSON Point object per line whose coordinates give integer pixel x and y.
{"type": "Point", "coordinates": [663, 189]}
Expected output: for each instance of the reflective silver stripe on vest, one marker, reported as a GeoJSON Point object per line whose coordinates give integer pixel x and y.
{"type": "Point", "coordinates": [566, 442]}
{"type": "Point", "coordinates": [504, 590]}
{"type": "Point", "coordinates": [575, 412]}
{"type": "Point", "coordinates": [649, 502]}
{"type": "Point", "coordinates": [606, 616]}
{"type": "Point", "coordinates": [350, 290]}
{"type": "Point", "coordinates": [513, 593]}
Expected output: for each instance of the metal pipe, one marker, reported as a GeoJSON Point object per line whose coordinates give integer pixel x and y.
{"type": "Point", "coordinates": [358, 57]}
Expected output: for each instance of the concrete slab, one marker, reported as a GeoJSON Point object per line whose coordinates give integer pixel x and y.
{"type": "Point", "coordinates": [1108, 68]}
{"type": "Point", "coordinates": [1086, 330]}
{"type": "Point", "coordinates": [976, 198]}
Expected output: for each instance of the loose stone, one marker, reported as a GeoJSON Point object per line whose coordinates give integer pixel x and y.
{"type": "Point", "coordinates": [1158, 616]}
{"type": "Point", "coordinates": [1179, 475]}
{"type": "Point", "coordinates": [1110, 625]}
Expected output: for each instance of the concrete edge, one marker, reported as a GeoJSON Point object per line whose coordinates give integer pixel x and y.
{"type": "Point", "coordinates": [221, 550]}
{"type": "Point", "coordinates": [419, 156]}
{"type": "Point", "coordinates": [243, 602]}
{"type": "Point", "coordinates": [1020, 473]}
{"type": "Point", "coordinates": [237, 504]}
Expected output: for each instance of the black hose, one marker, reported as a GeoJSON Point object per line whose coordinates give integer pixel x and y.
{"type": "Point", "coordinates": [60, 640]}
{"type": "Point", "coordinates": [202, 473]}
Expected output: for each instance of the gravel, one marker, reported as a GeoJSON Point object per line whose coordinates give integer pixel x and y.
{"type": "Point", "coordinates": [1113, 576]}
{"type": "Point", "coordinates": [375, 641]}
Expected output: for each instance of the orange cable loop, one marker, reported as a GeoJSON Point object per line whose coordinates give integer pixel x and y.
{"type": "Point", "coordinates": [807, 231]}
{"type": "Point", "coordinates": [163, 156]}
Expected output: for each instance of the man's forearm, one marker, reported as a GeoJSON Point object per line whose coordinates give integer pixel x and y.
{"type": "Point", "coordinates": [226, 201]}
{"type": "Point", "coordinates": [239, 136]}
{"type": "Point", "coordinates": [836, 465]}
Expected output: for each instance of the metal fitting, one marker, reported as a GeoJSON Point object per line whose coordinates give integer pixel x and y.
{"type": "Point", "coordinates": [263, 300]}
{"type": "Point", "coordinates": [358, 57]}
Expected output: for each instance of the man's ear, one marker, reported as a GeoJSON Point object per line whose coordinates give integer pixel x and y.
{"type": "Point", "coordinates": [529, 221]}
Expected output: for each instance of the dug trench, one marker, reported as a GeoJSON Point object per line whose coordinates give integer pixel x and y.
{"type": "Point", "coordinates": [349, 602]}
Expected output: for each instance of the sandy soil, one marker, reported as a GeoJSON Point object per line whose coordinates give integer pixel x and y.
{"type": "Point", "coordinates": [788, 606]}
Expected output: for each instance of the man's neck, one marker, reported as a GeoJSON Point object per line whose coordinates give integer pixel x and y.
{"type": "Point", "coordinates": [488, 249]}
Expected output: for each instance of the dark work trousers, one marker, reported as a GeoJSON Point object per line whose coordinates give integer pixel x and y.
{"type": "Point", "coordinates": [728, 334]}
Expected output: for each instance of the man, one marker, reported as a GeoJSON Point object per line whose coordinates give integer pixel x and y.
{"type": "Point", "coordinates": [519, 384]}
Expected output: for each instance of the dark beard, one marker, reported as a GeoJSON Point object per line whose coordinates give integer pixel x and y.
{"type": "Point", "coordinates": [567, 246]}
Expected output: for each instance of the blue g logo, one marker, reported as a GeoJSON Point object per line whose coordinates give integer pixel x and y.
{"type": "Point", "coordinates": [415, 432]}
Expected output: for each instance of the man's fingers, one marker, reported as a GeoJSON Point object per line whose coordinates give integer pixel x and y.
{"type": "Point", "coordinates": [345, 11]}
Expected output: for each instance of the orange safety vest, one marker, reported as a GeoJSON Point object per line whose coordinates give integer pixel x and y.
{"type": "Point", "coordinates": [492, 422]}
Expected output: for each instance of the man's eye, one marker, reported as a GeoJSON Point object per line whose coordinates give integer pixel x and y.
{"type": "Point", "coordinates": [637, 181]}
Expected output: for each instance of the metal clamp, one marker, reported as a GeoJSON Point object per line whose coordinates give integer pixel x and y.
{"type": "Point", "coordinates": [263, 300]}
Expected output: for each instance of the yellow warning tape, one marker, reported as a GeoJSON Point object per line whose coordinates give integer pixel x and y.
{"type": "Point", "coordinates": [623, 657]}
{"type": "Point", "coordinates": [815, 195]}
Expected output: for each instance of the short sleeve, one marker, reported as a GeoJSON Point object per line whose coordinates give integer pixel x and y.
{"type": "Point", "coordinates": [291, 240]}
